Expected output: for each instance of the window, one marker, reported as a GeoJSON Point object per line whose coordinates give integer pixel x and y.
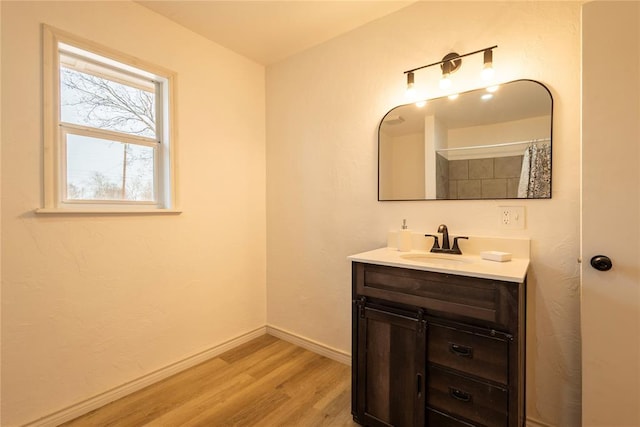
{"type": "Point", "coordinates": [107, 138]}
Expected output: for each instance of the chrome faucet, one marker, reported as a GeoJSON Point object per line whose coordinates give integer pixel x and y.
{"type": "Point", "coordinates": [446, 248]}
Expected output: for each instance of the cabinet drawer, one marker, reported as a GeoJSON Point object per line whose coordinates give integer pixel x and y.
{"type": "Point", "coordinates": [467, 398]}
{"type": "Point", "coordinates": [448, 295]}
{"type": "Point", "coordinates": [438, 419]}
{"type": "Point", "coordinates": [480, 355]}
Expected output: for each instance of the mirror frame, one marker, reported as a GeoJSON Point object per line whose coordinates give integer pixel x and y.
{"type": "Point", "coordinates": [462, 94]}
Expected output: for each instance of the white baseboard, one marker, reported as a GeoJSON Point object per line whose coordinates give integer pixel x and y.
{"type": "Point", "coordinates": [532, 422]}
{"type": "Point", "coordinates": [314, 346]}
{"type": "Point", "coordinates": [109, 396]}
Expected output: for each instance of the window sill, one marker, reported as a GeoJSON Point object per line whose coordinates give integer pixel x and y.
{"type": "Point", "coordinates": [108, 211]}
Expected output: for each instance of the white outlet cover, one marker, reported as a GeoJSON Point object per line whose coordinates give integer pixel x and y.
{"type": "Point", "coordinates": [512, 217]}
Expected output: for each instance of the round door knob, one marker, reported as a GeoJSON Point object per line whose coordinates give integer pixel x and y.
{"type": "Point", "coordinates": [601, 262]}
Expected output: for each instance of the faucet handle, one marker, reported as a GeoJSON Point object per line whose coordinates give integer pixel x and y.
{"type": "Point", "coordinates": [456, 248]}
{"type": "Point", "coordinates": [436, 244]}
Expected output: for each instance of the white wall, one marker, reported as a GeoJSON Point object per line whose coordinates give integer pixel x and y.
{"type": "Point", "coordinates": [0, 217]}
{"type": "Point", "coordinates": [91, 302]}
{"type": "Point", "coordinates": [323, 109]}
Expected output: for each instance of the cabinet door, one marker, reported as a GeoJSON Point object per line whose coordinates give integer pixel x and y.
{"type": "Point", "coordinates": [390, 381]}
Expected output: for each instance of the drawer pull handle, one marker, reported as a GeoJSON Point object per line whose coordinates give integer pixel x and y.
{"type": "Point", "coordinates": [461, 350]}
{"type": "Point", "coordinates": [460, 395]}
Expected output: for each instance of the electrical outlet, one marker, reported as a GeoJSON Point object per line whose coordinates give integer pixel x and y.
{"type": "Point", "coordinates": [512, 217]}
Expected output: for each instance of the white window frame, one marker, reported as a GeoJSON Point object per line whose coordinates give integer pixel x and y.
{"type": "Point", "coordinates": [54, 132]}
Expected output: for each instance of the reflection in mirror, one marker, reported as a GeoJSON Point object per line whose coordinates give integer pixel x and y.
{"type": "Point", "coordinates": [490, 143]}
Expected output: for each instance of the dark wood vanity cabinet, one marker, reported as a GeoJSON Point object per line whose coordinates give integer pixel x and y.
{"type": "Point", "coordinates": [434, 349]}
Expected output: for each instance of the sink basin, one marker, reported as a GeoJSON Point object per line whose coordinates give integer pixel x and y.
{"type": "Point", "coordinates": [437, 259]}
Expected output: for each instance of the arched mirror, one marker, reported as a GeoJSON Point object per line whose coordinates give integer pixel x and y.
{"type": "Point", "coordinates": [492, 143]}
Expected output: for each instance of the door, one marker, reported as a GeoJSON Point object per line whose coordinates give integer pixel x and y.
{"type": "Point", "coordinates": [610, 306]}
{"type": "Point", "coordinates": [391, 358]}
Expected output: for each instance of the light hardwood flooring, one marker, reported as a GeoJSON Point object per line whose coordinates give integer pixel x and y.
{"type": "Point", "coordinates": [265, 382]}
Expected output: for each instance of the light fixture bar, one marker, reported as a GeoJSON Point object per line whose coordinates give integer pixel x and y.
{"type": "Point", "coordinates": [451, 59]}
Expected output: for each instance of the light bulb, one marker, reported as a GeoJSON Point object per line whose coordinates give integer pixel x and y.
{"type": "Point", "coordinates": [445, 82]}
{"type": "Point", "coordinates": [488, 72]}
{"type": "Point", "coordinates": [410, 93]}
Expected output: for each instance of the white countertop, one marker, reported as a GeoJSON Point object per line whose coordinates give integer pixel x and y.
{"type": "Point", "coordinates": [471, 265]}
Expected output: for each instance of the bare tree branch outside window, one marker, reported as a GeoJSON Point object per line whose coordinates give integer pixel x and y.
{"type": "Point", "coordinates": [98, 102]}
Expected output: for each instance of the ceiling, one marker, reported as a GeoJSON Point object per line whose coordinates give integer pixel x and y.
{"type": "Point", "coordinates": [269, 31]}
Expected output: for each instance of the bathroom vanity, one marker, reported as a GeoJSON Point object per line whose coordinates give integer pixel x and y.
{"type": "Point", "coordinates": [438, 340]}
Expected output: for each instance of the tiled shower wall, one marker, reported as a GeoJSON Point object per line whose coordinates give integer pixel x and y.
{"type": "Point", "coordinates": [494, 178]}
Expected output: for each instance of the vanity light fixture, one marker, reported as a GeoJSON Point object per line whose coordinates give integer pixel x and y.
{"type": "Point", "coordinates": [411, 91]}
{"type": "Point", "coordinates": [450, 64]}
{"type": "Point", "coordinates": [487, 67]}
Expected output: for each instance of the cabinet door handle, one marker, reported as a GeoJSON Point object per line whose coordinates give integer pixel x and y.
{"type": "Point", "coordinates": [460, 395]}
{"type": "Point", "coordinates": [419, 384]}
{"type": "Point", "coordinates": [461, 350]}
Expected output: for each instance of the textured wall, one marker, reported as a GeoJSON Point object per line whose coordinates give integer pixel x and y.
{"type": "Point", "coordinates": [0, 215]}
{"type": "Point", "coordinates": [323, 109]}
{"type": "Point", "coordinates": [91, 302]}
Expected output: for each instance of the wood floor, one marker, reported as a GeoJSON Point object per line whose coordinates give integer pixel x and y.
{"type": "Point", "coordinates": [265, 382]}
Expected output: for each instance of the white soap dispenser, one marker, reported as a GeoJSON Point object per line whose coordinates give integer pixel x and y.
{"type": "Point", "coordinates": [404, 238]}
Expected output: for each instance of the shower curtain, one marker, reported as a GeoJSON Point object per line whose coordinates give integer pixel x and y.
{"type": "Point", "coordinates": [535, 178]}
